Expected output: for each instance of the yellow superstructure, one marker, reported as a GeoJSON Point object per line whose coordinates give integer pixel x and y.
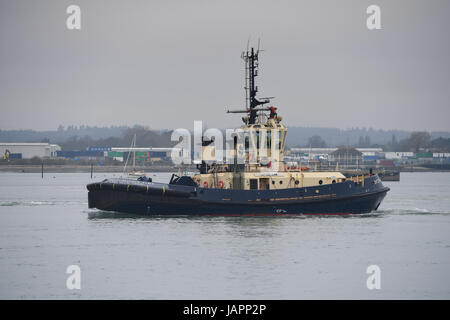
{"type": "Point", "coordinates": [263, 167]}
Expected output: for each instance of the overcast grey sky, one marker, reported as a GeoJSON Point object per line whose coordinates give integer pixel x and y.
{"type": "Point", "coordinates": [165, 64]}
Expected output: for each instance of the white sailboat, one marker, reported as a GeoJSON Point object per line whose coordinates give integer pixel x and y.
{"type": "Point", "coordinates": [134, 172]}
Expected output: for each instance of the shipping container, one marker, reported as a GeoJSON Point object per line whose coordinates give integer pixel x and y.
{"type": "Point", "coordinates": [370, 158]}
{"type": "Point", "coordinates": [15, 156]}
{"type": "Point", "coordinates": [387, 163]}
{"type": "Point", "coordinates": [424, 155]}
{"type": "Point", "coordinates": [99, 149]}
{"type": "Point", "coordinates": [114, 154]}
{"type": "Point", "coordinates": [74, 154]}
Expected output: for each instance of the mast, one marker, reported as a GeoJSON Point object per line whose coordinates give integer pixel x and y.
{"type": "Point", "coordinates": [134, 152]}
{"type": "Point", "coordinates": [251, 72]}
{"type": "Point", "coordinates": [251, 89]}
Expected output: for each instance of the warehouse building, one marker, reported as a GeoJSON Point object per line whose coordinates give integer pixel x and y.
{"type": "Point", "coordinates": [28, 150]}
{"type": "Point", "coordinates": [347, 156]}
{"type": "Point", "coordinates": [367, 154]}
{"type": "Point", "coordinates": [141, 155]}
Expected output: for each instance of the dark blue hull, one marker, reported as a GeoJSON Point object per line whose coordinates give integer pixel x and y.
{"type": "Point", "coordinates": [131, 196]}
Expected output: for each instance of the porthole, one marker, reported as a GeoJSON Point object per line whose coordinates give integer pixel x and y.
{"type": "Point", "coordinates": [273, 182]}
{"type": "Point", "coordinates": [334, 181]}
{"type": "Point", "coordinates": [297, 182]}
{"type": "Point", "coordinates": [281, 182]}
{"type": "Point", "coordinates": [320, 181]}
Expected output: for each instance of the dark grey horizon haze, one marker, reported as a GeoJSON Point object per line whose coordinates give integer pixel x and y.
{"type": "Point", "coordinates": [164, 64]}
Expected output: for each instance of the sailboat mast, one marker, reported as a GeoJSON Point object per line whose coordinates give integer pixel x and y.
{"type": "Point", "coordinates": [134, 152]}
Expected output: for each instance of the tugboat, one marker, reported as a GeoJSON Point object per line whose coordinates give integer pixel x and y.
{"type": "Point", "coordinates": [256, 182]}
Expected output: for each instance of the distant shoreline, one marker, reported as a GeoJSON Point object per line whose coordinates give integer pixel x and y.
{"type": "Point", "coordinates": [80, 168]}
{"type": "Point", "coordinates": [52, 168]}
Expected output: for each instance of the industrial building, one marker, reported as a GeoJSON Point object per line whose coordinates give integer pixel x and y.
{"type": "Point", "coordinates": [347, 156]}
{"type": "Point", "coordinates": [28, 150]}
{"type": "Point", "coordinates": [142, 155]}
{"type": "Point", "coordinates": [324, 151]}
{"type": "Point", "coordinates": [357, 154]}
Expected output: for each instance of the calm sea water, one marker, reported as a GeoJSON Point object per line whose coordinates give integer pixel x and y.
{"type": "Point", "coordinates": [45, 226]}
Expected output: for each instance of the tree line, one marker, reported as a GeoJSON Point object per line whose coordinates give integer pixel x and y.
{"type": "Point", "coordinates": [144, 138]}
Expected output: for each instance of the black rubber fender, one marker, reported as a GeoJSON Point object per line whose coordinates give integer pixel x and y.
{"type": "Point", "coordinates": [145, 189]}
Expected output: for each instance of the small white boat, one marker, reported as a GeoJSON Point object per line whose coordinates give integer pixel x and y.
{"type": "Point", "coordinates": [135, 173]}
